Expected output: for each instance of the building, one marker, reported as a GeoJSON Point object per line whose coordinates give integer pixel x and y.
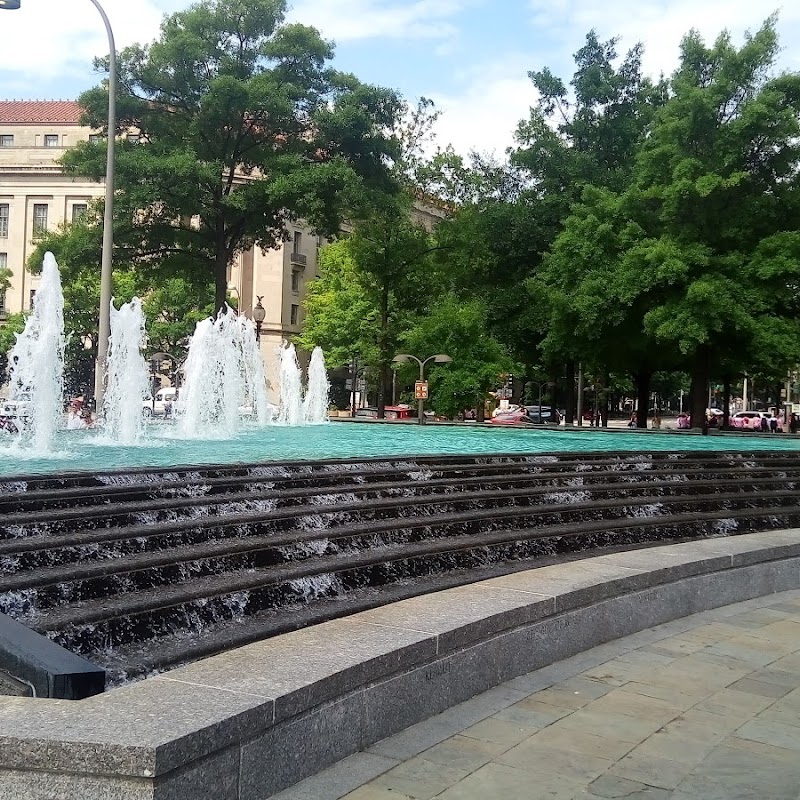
{"type": "Point", "coordinates": [35, 196]}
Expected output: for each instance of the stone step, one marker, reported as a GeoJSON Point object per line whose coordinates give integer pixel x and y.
{"type": "Point", "coordinates": [64, 520]}
{"type": "Point", "coordinates": [189, 610]}
{"type": "Point", "coordinates": [20, 556]}
{"type": "Point", "coordinates": [139, 486]}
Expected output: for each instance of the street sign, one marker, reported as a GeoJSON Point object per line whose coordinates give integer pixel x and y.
{"type": "Point", "coordinates": [421, 390]}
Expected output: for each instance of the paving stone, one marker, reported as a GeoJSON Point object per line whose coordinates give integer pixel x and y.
{"type": "Point", "coordinates": [651, 770]}
{"type": "Point", "coordinates": [778, 677]}
{"type": "Point", "coordinates": [618, 672]}
{"type": "Point", "coordinates": [750, 686]}
{"type": "Point", "coordinates": [340, 779]}
{"type": "Point", "coordinates": [535, 716]}
{"type": "Point", "coordinates": [623, 701]}
{"type": "Point", "coordinates": [731, 702]}
{"type": "Point", "coordinates": [674, 696]}
{"type": "Point", "coordinates": [372, 792]}
{"type": "Point", "coordinates": [612, 786]}
{"type": "Point", "coordinates": [674, 746]}
{"type": "Point", "coordinates": [499, 731]}
{"type": "Point", "coordinates": [623, 727]}
{"type": "Point", "coordinates": [501, 781]}
{"type": "Point", "coordinates": [536, 756]}
{"type": "Point", "coordinates": [770, 732]}
{"type": "Point", "coordinates": [420, 779]}
{"type": "Point", "coordinates": [586, 743]}
{"type": "Point", "coordinates": [464, 752]}
{"type": "Point", "coordinates": [574, 693]}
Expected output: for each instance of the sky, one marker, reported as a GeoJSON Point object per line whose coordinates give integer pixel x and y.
{"type": "Point", "coordinates": [470, 56]}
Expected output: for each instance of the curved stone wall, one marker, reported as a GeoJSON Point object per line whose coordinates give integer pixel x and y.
{"type": "Point", "coordinates": [244, 724]}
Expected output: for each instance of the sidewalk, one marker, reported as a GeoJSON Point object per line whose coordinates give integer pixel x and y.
{"type": "Point", "coordinates": [702, 708]}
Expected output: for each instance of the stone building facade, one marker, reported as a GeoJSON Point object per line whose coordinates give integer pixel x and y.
{"type": "Point", "coordinates": [35, 195]}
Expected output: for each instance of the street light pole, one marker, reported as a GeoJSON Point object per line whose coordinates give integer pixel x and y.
{"type": "Point", "coordinates": [108, 216]}
{"type": "Point", "coordinates": [104, 331]}
{"type": "Point", "coordinates": [439, 358]}
{"type": "Point", "coordinates": [259, 315]}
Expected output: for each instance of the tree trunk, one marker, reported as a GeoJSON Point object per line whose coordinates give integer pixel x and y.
{"type": "Point", "coordinates": [569, 392]}
{"type": "Point", "coordinates": [642, 380]}
{"type": "Point", "coordinates": [698, 394]}
{"type": "Point", "coordinates": [726, 401]}
{"type": "Point", "coordinates": [385, 357]}
{"type": "Point", "coordinates": [220, 273]}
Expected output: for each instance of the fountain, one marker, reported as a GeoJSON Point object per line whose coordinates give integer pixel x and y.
{"type": "Point", "coordinates": [127, 374]}
{"type": "Point", "coordinates": [291, 392]}
{"type": "Point", "coordinates": [223, 378]}
{"type": "Point", "coordinates": [315, 404]}
{"type": "Point", "coordinates": [36, 372]}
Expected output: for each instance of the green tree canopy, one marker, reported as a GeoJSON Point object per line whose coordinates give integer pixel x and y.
{"type": "Point", "coordinates": [242, 126]}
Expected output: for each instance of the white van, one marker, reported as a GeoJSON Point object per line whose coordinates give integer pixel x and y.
{"type": "Point", "coordinates": [165, 399]}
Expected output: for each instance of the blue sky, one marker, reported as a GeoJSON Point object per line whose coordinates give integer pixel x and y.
{"type": "Point", "coordinates": [470, 56]}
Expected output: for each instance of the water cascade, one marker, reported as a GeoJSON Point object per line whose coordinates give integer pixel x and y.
{"type": "Point", "coordinates": [291, 391]}
{"type": "Point", "coordinates": [223, 376]}
{"type": "Point", "coordinates": [36, 371]}
{"type": "Point", "coordinates": [127, 374]}
{"type": "Point", "coordinates": [315, 405]}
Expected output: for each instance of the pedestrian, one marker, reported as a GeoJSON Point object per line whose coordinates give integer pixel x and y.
{"type": "Point", "coordinates": [773, 424]}
{"type": "Point", "coordinates": [632, 421]}
{"type": "Point", "coordinates": [793, 421]}
{"type": "Point", "coordinates": [764, 424]}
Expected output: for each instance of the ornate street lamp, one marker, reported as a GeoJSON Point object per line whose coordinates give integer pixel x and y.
{"type": "Point", "coordinates": [259, 314]}
{"type": "Point", "coordinates": [108, 216]}
{"type": "Point", "coordinates": [439, 358]}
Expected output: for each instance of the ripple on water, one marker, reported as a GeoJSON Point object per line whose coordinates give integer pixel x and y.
{"type": "Point", "coordinates": [89, 452]}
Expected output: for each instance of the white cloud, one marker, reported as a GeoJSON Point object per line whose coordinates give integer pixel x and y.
{"type": "Point", "coordinates": [49, 39]}
{"type": "Point", "coordinates": [484, 113]}
{"type": "Point", "coordinates": [346, 20]}
{"type": "Point", "coordinates": [660, 25]}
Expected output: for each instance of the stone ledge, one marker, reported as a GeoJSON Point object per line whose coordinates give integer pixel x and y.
{"type": "Point", "coordinates": [300, 701]}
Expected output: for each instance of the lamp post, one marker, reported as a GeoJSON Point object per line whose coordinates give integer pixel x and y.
{"type": "Point", "coordinates": [108, 216]}
{"type": "Point", "coordinates": [541, 386]}
{"type": "Point", "coordinates": [259, 315]}
{"type": "Point", "coordinates": [439, 358]}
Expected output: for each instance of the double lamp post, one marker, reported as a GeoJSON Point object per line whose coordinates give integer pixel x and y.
{"type": "Point", "coordinates": [108, 215]}
{"type": "Point", "coordinates": [421, 387]}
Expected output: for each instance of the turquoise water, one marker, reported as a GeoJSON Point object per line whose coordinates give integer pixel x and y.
{"type": "Point", "coordinates": [87, 450]}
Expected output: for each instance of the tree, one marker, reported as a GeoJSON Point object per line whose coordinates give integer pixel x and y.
{"type": "Point", "coordinates": [457, 328]}
{"type": "Point", "coordinates": [14, 324]}
{"type": "Point", "coordinates": [242, 127]}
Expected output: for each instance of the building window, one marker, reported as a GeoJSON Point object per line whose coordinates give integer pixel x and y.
{"type": "Point", "coordinates": [295, 281]}
{"type": "Point", "coordinates": [3, 220]}
{"type": "Point", "coordinates": [293, 314]}
{"type": "Point", "coordinates": [33, 298]}
{"type": "Point", "coordinates": [39, 220]}
{"type": "Point", "coordinates": [79, 211]}
{"type": "Point", "coordinates": [95, 138]}
{"type": "Point", "coordinates": [51, 140]}
{"type": "Point", "coordinates": [298, 241]}
{"type": "Point", "coordinates": [6, 140]}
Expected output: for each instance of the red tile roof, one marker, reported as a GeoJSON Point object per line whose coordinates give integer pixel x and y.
{"type": "Point", "coordinates": [40, 111]}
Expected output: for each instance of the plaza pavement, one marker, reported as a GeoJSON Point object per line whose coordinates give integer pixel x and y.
{"type": "Point", "coordinates": [702, 708]}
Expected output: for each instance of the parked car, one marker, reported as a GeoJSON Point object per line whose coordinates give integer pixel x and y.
{"type": "Point", "coordinates": [390, 412]}
{"type": "Point", "coordinates": [548, 414]}
{"type": "Point", "coordinates": [518, 417]}
{"type": "Point", "coordinates": [751, 420]}
{"type": "Point", "coordinates": [164, 401]}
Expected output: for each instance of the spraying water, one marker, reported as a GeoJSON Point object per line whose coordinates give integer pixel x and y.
{"type": "Point", "coordinates": [291, 391]}
{"type": "Point", "coordinates": [224, 376]}
{"type": "Point", "coordinates": [36, 372]}
{"type": "Point", "coordinates": [127, 374]}
{"type": "Point", "coordinates": [315, 405]}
